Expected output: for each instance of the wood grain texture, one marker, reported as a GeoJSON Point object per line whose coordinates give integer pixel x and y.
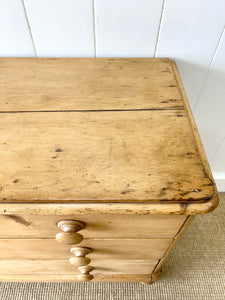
{"type": "Point", "coordinates": [213, 202]}
{"type": "Point", "coordinates": [48, 249]}
{"type": "Point", "coordinates": [130, 209]}
{"type": "Point", "coordinates": [179, 234]}
{"type": "Point", "coordinates": [71, 277]}
{"type": "Point", "coordinates": [63, 267]}
{"type": "Point", "coordinates": [103, 162]}
{"type": "Point", "coordinates": [136, 154]}
{"type": "Point", "coordinates": [44, 84]}
{"type": "Point", "coordinates": [98, 225]}
{"type": "Point", "coordinates": [103, 157]}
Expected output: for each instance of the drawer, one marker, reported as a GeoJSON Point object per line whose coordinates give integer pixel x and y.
{"type": "Point", "coordinates": [61, 267]}
{"type": "Point", "coordinates": [97, 225]}
{"type": "Point", "coordinates": [49, 249]}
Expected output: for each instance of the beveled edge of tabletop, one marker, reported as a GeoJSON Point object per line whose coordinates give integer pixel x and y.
{"type": "Point", "coordinates": [110, 208]}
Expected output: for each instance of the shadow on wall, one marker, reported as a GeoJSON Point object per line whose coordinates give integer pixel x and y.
{"type": "Point", "coordinates": [206, 93]}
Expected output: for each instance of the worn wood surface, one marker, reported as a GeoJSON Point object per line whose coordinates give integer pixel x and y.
{"type": "Point", "coordinates": [111, 153]}
{"type": "Point", "coordinates": [153, 208]}
{"type": "Point", "coordinates": [65, 277]}
{"type": "Point", "coordinates": [100, 157]}
{"type": "Point", "coordinates": [97, 225]}
{"type": "Point", "coordinates": [50, 84]}
{"type": "Point", "coordinates": [63, 267]}
{"type": "Point", "coordinates": [102, 248]}
{"type": "Point", "coordinates": [109, 142]}
{"type": "Point", "coordinates": [179, 234]}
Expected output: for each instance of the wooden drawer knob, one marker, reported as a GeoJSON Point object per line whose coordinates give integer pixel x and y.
{"type": "Point", "coordinates": [85, 276]}
{"type": "Point", "coordinates": [80, 259]}
{"type": "Point", "coordinates": [69, 236]}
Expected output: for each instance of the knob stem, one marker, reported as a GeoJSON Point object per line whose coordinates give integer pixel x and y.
{"type": "Point", "coordinates": [80, 251]}
{"type": "Point", "coordinates": [70, 225]}
{"type": "Point", "coordinates": [85, 270]}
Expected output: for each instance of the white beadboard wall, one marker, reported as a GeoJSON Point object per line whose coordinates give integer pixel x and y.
{"type": "Point", "coordinates": [189, 31]}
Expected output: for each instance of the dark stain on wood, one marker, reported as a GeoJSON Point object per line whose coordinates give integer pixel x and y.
{"type": "Point", "coordinates": [16, 180]}
{"type": "Point", "coordinates": [127, 190]}
{"type": "Point", "coordinates": [169, 101]}
{"type": "Point", "coordinates": [208, 184]}
{"type": "Point", "coordinates": [184, 193]}
{"type": "Point", "coordinates": [189, 153]}
{"type": "Point", "coordinates": [58, 150]}
{"type": "Point", "coordinates": [18, 219]}
{"type": "Point", "coordinates": [162, 192]}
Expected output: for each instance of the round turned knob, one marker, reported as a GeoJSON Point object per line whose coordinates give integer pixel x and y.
{"type": "Point", "coordinates": [69, 235]}
{"type": "Point", "coordinates": [71, 238]}
{"type": "Point", "coordinates": [85, 276]}
{"type": "Point", "coordinates": [80, 259]}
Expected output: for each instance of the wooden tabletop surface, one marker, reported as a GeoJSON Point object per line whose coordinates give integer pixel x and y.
{"type": "Point", "coordinates": [97, 130]}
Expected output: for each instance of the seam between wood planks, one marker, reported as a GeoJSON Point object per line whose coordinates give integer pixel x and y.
{"type": "Point", "coordinates": [91, 110]}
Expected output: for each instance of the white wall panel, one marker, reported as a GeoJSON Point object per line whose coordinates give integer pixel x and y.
{"type": "Point", "coordinates": [62, 28]}
{"type": "Point", "coordinates": [190, 31]}
{"type": "Point", "coordinates": [126, 28]}
{"type": "Point", "coordinates": [210, 109]}
{"type": "Point", "coordinates": [15, 39]}
{"type": "Point", "coordinates": [218, 166]}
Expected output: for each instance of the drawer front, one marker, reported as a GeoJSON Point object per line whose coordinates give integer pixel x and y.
{"type": "Point", "coordinates": [97, 225]}
{"type": "Point", "coordinates": [62, 267]}
{"type": "Point", "coordinates": [50, 249]}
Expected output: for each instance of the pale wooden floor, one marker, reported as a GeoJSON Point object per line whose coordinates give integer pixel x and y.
{"type": "Point", "coordinates": [195, 270]}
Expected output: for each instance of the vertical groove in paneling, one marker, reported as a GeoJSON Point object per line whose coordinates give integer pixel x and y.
{"type": "Point", "coordinates": [62, 28]}
{"type": "Point", "coordinates": [94, 26]}
{"type": "Point", "coordinates": [127, 28]}
{"type": "Point", "coordinates": [28, 25]}
{"type": "Point", "coordinates": [189, 33]}
{"type": "Point", "coordinates": [213, 159]}
{"type": "Point", "coordinates": [210, 109]}
{"type": "Point", "coordinates": [15, 38]}
{"type": "Point", "coordinates": [159, 28]}
{"type": "Point", "coordinates": [209, 67]}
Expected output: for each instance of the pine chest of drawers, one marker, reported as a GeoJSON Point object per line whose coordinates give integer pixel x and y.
{"type": "Point", "coordinates": [102, 168]}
